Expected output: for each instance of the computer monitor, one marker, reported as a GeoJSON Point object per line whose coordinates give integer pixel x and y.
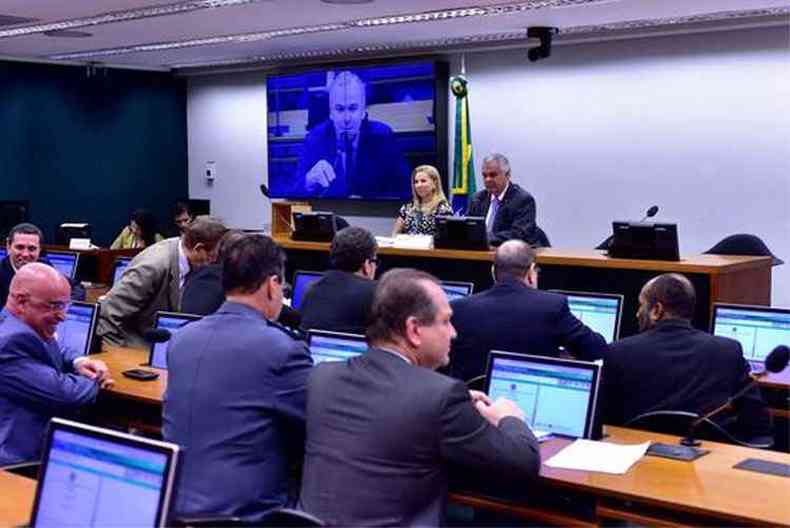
{"type": "Point", "coordinates": [602, 312]}
{"type": "Point", "coordinates": [460, 232]}
{"type": "Point", "coordinates": [456, 290]}
{"type": "Point", "coordinates": [302, 281]}
{"type": "Point", "coordinates": [92, 476]}
{"type": "Point", "coordinates": [120, 265]}
{"type": "Point", "coordinates": [558, 396]}
{"type": "Point", "coordinates": [334, 346]}
{"type": "Point", "coordinates": [170, 321]}
{"type": "Point", "coordinates": [3, 253]}
{"type": "Point", "coordinates": [643, 240]}
{"type": "Point", "coordinates": [76, 331]}
{"type": "Point", "coordinates": [315, 226]}
{"type": "Point", "coordinates": [759, 329]}
{"type": "Point", "coordinates": [64, 261]}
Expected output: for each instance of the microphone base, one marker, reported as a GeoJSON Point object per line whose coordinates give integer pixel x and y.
{"type": "Point", "coordinates": [690, 441]}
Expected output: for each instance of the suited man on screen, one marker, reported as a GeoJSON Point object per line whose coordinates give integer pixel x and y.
{"type": "Point", "coordinates": [350, 155]}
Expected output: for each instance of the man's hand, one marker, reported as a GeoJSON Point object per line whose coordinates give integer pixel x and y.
{"type": "Point", "coordinates": [499, 409]}
{"type": "Point", "coordinates": [480, 396]}
{"type": "Point", "coordinates": [320, 176]}
{"type": "Point", "coordinates": [94, 369]}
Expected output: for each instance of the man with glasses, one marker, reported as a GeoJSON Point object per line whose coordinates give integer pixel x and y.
{"type": "Point", "coordinates": [235, 396]}
{"type": "Point", "coordinates": [515, 316]}
{"type": "Point", "coordinates": [340, 300]}
{"type": "Point", "coordinates": [38, 380]}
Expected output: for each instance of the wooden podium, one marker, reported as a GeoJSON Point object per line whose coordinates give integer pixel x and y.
{"type": "Point", "coordinates": [282, 217]}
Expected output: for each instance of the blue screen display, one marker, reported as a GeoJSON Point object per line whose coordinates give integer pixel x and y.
{"type": "Point", "coordinates": [75, 331]}
{"type": "Point", "coordinates": [120, 266]}
{"type": "Point", "coordinates": [758, 331]}
{"type": "Point", "coordinates": [302, 281]}
{"type": "Point", "coordinates": [456, 290]}
{"type": "Point", "coordinates": [336, 348]}
{"type": "Point", "coordinates": [170, 323]}
{"type": "Point", "coordinates": [351, 132]}
{"type": "Point", "coordinates": [64, 263]}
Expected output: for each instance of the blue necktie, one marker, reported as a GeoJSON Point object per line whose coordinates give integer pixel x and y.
{"type": "Point", "coordinates": [493, 210]}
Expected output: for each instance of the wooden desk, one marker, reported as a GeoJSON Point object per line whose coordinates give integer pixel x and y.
{"type": "Point", "coordinates": [717, 278]}
{"type": "Point", "coordinates": [660, 492]}
{"type": "Point", "coordinates": [16, 499]}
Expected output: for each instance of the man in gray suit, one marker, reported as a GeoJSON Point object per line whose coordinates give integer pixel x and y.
{"type": "Point", "coordinates": [154, 281]}
{"type": "Point", "coordinates": [383, 428]}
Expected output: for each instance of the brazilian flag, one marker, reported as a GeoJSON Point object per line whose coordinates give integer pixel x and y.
{"type": "Point", "coordinates": [463, 168]}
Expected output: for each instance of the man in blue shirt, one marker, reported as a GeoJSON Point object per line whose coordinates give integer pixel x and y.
{"type": "Point", "coordinates": [38, 380]}
{"type": "Point", "coordinates": [235, 397]}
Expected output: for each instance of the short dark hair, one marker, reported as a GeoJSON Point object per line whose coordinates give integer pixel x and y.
{"type": "Point", "coordinates": [249, 261]}
{"type": "Point", "coordinates": [227, 240]}
{"type": "Point", "coordinates": [513, 260]}
{"type": "Point", "coordinates": [351, 247]}
{"type": "Point", "coordinates": [180, 208]}
{"type": "Point", "coordinates": [400, 294]}
{"type": "Point", "coordinates": [25, 228]}
{"type": "Point", "coordinates": [675, 293]}
{"type": "Point", "coordinates": [204, 229]}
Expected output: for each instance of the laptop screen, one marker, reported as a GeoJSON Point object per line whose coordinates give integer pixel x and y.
{"type": "Point", "coordinates": [76, 331]}
{"type": "Point", "coordinates": [3, 253]}
{"type": "Point", "coordinates": [456, 290]}
{"type": "Point", "coordinates": [758, 328]}
{"type": "Point", "coordinates": [557, 395]}
{"type": "Point", "coordinates": [333, 346]}
{"type": "Point", "coordinates": [121, 264]}
{"type": "Point", "coordinates": [302, 281]}
{"type": "Point", "coordinates": [66, 263]}
{"type": "Point", "coordinates": [599, 311]}
{"type": "Point", "coordinates": [96, 477]}
{"type": "Point", "coordinates": [171, 322]}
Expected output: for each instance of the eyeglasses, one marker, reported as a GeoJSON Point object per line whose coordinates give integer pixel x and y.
{"type": "Point", "coordinates": [53, 306]}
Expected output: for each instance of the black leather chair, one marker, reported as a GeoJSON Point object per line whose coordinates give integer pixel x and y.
{"type": "Point", "coordinates": [744, 244]}
{"type": "Point", "coordinates": [542, 239]}
{"type": "Point", "coordinates": [290, 518]}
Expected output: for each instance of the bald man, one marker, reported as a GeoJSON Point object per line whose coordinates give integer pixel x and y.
{"type": "Point", "coordinates": [38, 380]}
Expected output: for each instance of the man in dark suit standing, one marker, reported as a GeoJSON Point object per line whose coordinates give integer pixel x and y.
{"type": "Point", "coordinates": [236, 392]}
{"type": "Point", "coordinates": [673, 366]}
{"type": "Point", "coordinates": [515, 316]}
{"type": "Point", "coordinates": [341, 299]}
{"type": "Point", "coordinates": [508, 209]}
{"type": "Point", "coordinates": [383, 428]}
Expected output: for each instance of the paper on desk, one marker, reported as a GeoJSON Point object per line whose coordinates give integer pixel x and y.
{"type": "Point", "coordinates": [589, 455]}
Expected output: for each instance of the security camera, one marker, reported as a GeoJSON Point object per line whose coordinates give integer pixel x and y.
{"type": "Point", "coordinates": [544, 34]}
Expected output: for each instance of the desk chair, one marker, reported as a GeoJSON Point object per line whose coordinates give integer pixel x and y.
{"type": "Point", "coordinates": [744, 244]}
{"type": "Point", "coordinates": [542, 239]}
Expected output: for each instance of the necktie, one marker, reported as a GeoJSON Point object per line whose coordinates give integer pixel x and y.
{"type": "Point", "coordinates": [492, 211]}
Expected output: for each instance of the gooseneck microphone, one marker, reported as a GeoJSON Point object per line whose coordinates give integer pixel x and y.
{"type": "Point", "coordinates": [650, 213]}
{"type": "Point", "coordinates": [775, 362]}
{"type": "Point", "coordinates": [157, 335]}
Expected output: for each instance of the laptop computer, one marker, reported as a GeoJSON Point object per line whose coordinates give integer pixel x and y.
{"type": "Point", "coordinates": [558, 396]}
{"type": "Point", "coordinates": [77, 330]}
{"type": "Point", "coordinates": [456, 290]}
{"type": "Point", "coordinates": [602, 312]}
{"type": "Point", "coordinates": [335, 346]}
{"type": "Point", "coordinates": [64, 261]}
{"type": "Point", "coordinates": [759, 329]}
{"type": "Point", "coordinates": [302, 281]}
{"type": "Point", "coordinates": [170, 321]}
{"type": "Point", "coordinates": [120, 265]}
{"type": "Point", "coordinates": [92, 476]}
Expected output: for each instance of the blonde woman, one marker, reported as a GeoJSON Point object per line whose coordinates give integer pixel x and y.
{"type": "Point", "coordinates": [418, 217]}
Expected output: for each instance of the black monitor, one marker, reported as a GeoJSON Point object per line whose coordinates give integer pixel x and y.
{"type": "Point", "coordinates": [315, 226]}
{"type": "Point", "coordinates": [12, 212]}
{"type": "Point", "coordinates": [68, 231]}
{"type": "Point", "coordinates": [639, 240]}
{"type": "Point", "coordinates": [461, 232]}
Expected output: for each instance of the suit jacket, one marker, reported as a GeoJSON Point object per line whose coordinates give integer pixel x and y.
{"type": "Point", "coordinates": [678, 368]}
{"type": "Point", "coordinates": [379, 169]}
{"type": "Point", "coordinates": [7, 273]}
{"type": "Point", "coordinates": [515, 218]}
{"type": "Point", "coordinates": [382, 433]}
{"type": "Point", "coordinates": [513, 317]}
{"type": "Point", "coordinates": [149, 284]}
{"type": "Point", "coordinates": [235, 401]}
{"type": "Point", "coordinates": [338, 301]}
{"type": "Point", "coordinates": [37, 382]}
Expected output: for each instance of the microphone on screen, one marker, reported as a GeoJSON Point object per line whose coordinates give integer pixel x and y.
{"type": "Point", "coordinates": [157, 335]}
{"type": "Point", "coordinates": [650, 213]}
{"type": "Point", "coordinates": [265, 190]}
{"type": "Point", "coordinates": [778, 358]}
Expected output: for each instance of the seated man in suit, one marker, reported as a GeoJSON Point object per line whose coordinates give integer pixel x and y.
{"type": "Point", "coordinates": [514, 316]}
{"type": "Point", "coordinates": [383, 428]}
{"type": "Point", "coordinates": [38, 380]}
{"type": "Point", "coordinates": [235, 396]}
{"type": "Point", "coordinates": [341, 299]}
{"type": "Point", "coordinates": [508, 209]}
{"type": "Point", "coordinates": [24, 246]}
{"type": "Point", "coordinates": [154, 281]}
{"type": "Point", "coordinates": [672, 366]}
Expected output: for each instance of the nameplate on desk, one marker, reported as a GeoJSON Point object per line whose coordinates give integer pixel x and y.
{"type": "Point", "coordinates": [80, 243]}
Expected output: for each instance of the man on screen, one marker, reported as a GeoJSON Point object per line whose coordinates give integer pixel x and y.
{"type": "Point", "coordinates": [350, 155]}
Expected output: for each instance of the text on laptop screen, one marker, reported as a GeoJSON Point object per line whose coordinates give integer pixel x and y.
{"type": "Point", "coordinates": [456, 290]}
{"type": "Point", "coordinates": [75, 331]}
{"type": "Point", "coordinates": [120, 267]}
{"type": "Point", "coordinates": [63, 262]}
{"type": "Point", "coordinates": [555, 398]}
{"type": "Point", "coordinates": [94, 482]}
{"type": "Point", "coordinates": [335, 348]}
{"type": "Point", "coordinates": [302, 281]}
{"type": "Point", "coordinates": [599, 313]}
{"type": "Point", "coordinates": [171, 323]}
{"type": "Point", "coordinates": [758, 331]}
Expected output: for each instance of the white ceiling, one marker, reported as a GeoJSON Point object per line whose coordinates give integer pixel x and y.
{"type": "Point", "coordinates": [574, 18]}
